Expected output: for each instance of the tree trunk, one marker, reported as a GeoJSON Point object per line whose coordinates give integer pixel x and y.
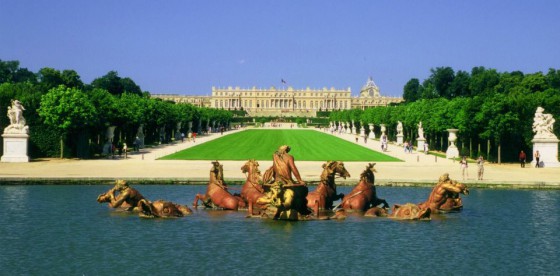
{"type": "Point", "coordinates": [470, 147]}
{"type": "Point", "coordinates": [488, 149]}
{"type": "Point", "coordinates": [61, 148]}
{"type": "Point", "coordinates": [479, 152]}
{"type": "Point", "coordinates": [499, 153]}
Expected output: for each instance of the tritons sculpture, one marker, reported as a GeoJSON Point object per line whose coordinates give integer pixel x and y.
{"type": "Point", "coordinates": [126, 198]}
{"type": "Point", "coordinates": [445, 196]}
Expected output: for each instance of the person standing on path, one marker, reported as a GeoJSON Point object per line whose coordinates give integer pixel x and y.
{"type": "Point", "coordinates": [464, 167]}
{"type": "Point", "coordinates": [537, 158]}
{"type": "Point", "coordinates": [480, 164]}
{"type": "Point", "coordinates": [522, 158]}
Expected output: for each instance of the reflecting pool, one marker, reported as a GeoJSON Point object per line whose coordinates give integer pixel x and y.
{"type": "Point", "coordinates": [63, 230]}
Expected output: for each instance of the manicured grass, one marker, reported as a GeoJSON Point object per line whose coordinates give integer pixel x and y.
{"type": "Point", "coordinates": [307, 145]}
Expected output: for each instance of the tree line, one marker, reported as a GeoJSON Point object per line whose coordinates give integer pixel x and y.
{"type": "Point", "coordinates": [493, 110]}
{"type": "Point", "coordinates": [63, 112]}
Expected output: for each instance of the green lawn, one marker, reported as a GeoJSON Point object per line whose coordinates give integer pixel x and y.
{"type": "Point", "coordinates": [307, 145]}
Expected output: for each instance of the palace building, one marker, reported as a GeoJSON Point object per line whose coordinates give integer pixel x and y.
{"type": "Point", "coordinates": [286, 101]}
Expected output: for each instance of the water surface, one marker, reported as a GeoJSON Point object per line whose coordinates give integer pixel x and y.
{"type": "Point", "coordinates": [63, 230]}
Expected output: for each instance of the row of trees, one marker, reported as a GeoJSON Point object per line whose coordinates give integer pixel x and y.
{"type": "Point", "coordinates": [494, 117]}
{"type": "Point", "coordinates": [63, 112]}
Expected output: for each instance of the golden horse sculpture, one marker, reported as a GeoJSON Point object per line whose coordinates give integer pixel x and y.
{"type": "Point", "coordinates": [253, 188]}
{"type": "Point", "coordinates": [217, 194]}
{"type": "Point", "coordinates": [364, 194]}
{"type": "Point", "coordinates": [325, 193]}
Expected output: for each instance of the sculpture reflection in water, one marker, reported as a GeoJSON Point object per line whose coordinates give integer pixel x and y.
{"type": "Point", "coordinates": [126, 198]}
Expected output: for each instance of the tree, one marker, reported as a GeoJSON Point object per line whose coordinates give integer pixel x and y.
{"type": "Point", "coordinates": [110, 82]}
{"type": "Point", "coordinates": [71, 79]}
{"type": "Point", "coordinates": [66, 109]}
{"type": "Point", "coordinates": [129, 86]}
{"type": "Point", "coordinates": [483, 81]}
{"type": "Point", "coordinates": [460, 85]}
{"type": "Point", "coordinates": [411, 90]}
{"type": "Point", "coordinates": [116, 85]}
{"type": "Point", "coordinates": [49, 78]}
{"type": "Point", "coordinates": [11, 72]}
{"type": "Point", "coordinates": [441, 78]}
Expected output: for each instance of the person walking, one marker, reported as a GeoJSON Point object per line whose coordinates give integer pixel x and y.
{"type": "Point", "coordinates": [522, 158]}
{"type": "Point", "coordinates": [537, 158]}
{"type": "Point", "coordinates": [480, 164]}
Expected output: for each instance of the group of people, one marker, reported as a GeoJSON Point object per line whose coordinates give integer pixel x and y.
{"type": "Point", "coordinates": [407, 147]}
{"type": "Point", "coordinates": [465, 165]}
{"type": "Point", "coordinates": [523, 159]}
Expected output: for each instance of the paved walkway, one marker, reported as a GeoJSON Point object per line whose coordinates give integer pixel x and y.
{"type": "Point", "coordinates": [417, 169]}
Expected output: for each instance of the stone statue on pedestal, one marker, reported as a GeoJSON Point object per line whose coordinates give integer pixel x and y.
{"type": "Point", "coordinates": [16, 135]}
{"type": "Point", "coordinates": [400, 136]}
{"type": "Point", "coordinates": [545, 141]}
{"type": "Point", "coordinates": [420, 130]}
{"type": "Point", "coordinates": [399, 127]}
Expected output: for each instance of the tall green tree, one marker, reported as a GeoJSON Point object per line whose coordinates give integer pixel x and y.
{"type": "Point", "coordinates": [66, 109]}
{"type": "Point", "coordinates": [411, 91]}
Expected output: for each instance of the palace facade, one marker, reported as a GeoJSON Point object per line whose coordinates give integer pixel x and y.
{"type": "Point", "coordinates": [286, 101]}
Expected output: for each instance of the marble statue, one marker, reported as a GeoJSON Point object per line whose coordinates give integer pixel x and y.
{"type": "Point", "coordinates": [543, 124]}
{"type": "Point", "coordinates": [399, 127]}
{"type": "Point", "coordinates": [420, 130]}
{"type": "Point", "coordinates": [17, 121]}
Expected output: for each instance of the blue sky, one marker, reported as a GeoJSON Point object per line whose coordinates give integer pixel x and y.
{"type": "Point", "coordinates": [186, 47]}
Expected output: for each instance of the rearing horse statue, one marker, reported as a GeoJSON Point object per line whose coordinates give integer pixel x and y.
{"type": "Point", "coordinates": [364, 195]}
{"type": "Point", "coordinates": [325, 194]}
{"type": "Point", "coordinates": [252, 190]}
{"type": "Point", "coordinates": [217, 194]}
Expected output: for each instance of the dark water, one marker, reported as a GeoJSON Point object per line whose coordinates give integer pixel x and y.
{"type": "Point", "coordinates": [62, 230]}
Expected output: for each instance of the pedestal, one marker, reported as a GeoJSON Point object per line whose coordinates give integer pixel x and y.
{"type": "Point", "coordinates": [420, 144]}
{"type": "Point", "coordinates": [452, 152]}
{"type": "Point", "coordinates": [548, 149]}
{"type": "Point", "coordinates": [15, 148]}
{"type": "Point", "coordinates": [362, 132]}
{"type": "Point", "coordinates": [400, 139]}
